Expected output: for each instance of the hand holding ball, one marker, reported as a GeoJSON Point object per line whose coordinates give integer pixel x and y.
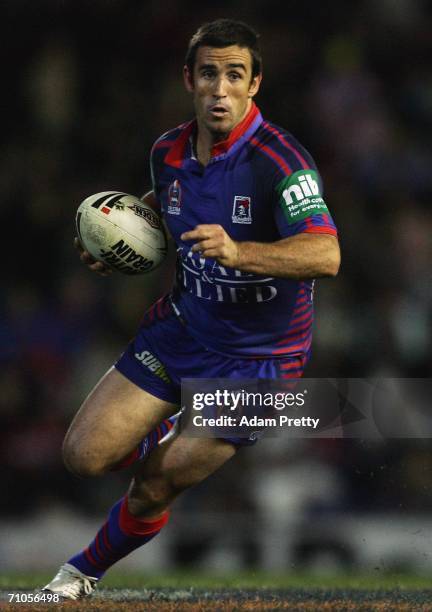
{"type": "Point", "coordinates": [122, 232]}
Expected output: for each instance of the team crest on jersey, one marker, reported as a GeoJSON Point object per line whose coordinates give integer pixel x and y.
{"type": "Point", "coordinates": [242, 212]}
{"type": "Point", "coordinates": [174, 198]}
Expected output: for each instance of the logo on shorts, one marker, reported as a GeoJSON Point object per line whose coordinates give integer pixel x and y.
{"type": "Point", "coordinates": [154, 365]}
{"type": "Point", "coordinates": [242, 212]}
{"type": "Point", "coordinates": [174, 198]}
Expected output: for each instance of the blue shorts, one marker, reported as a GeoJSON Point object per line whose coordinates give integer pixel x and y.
{"type": "Point", "coordinates": [163, 352]}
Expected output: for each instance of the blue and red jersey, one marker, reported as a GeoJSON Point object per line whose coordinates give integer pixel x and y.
{"type": "Point", "coordinates": [261, 185]}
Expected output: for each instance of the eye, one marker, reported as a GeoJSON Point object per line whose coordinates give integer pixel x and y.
{"type": "Point", "coordinates": [234, 76]}
{"type": "Point", "coordinates": [208, 74]}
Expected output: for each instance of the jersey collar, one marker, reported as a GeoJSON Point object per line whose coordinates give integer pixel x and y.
{"type": "Point", "coordinates": [178, 153]}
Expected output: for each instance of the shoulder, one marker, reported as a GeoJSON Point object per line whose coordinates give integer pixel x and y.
{"type": "Point", "coordinates": [166, 141]}
{"type": "Point", "coordinates": [170, 148]}
{"type": "Point", "coordinates": [280, 151]}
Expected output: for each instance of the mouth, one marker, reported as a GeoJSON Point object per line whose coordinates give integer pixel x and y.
{"type": "Point", "coordinates": [218, 111]}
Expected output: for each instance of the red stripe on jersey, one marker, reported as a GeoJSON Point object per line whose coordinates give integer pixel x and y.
{"type": "Point", "coordinates": [288, 145]}
{"type": "Point", "coordinates": [320, 229]}
{"type": "Point", "coordinates": [295, 334]}
{"type": "Point", "coordinates": [163, 144]}
{"type": "Point", "coordinates": [292, 369]}
{"type": "Point", "coordinates": [319, 224]}
{"type": "Point", "coordinates": [175, 155]}
{"type": "Point", "coordinates": [301, 300]}
{"type": "Point", "coordinates": [300, 319]}
{"type": "Point", "coordinates": [295, 337]}
{"type": "Point", "coordinates": [302, 307]}
{"type": "Point", "coordinates": [294, 365]}
{"type": "Point", "coordinates": [296, 347]}
{"type": "Point", "coordinates": [305, 319]}
{"type": "Point", "coordinates": [277, 158]}
{"type": "Point", "coordinates": [289, 337]}
{"type": "Point", "coordinates": [222, 147]}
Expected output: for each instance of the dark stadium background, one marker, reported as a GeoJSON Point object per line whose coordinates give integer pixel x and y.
{"type": "Point", "coordinates": [86, 88]}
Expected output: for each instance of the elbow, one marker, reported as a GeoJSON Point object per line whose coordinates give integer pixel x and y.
{"type": "Point", "coordinates": [334, 263]}
{"type": "Point", "coordinates": [329, 259]}
{"type": "Point", "coordinates": [332, 271]}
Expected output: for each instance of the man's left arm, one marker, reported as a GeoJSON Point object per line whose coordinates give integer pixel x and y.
{"type": "Point", "coordinates": [302, 256]}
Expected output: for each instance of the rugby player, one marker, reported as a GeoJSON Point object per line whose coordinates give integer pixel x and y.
{"type": "Point", "coordinates": [243, 202]}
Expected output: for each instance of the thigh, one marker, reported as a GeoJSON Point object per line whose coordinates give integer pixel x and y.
{"type": "Point", "coordinates": [113, 419]}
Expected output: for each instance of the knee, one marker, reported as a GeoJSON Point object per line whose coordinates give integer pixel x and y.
{"type": "Point", "coordinates": [81, 461]}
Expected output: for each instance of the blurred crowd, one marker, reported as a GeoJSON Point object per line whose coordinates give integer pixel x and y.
{"type": "Point", "coordinates": [88, 87]}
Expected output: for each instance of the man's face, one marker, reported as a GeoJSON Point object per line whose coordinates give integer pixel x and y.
{"type": "Point", "coordinates": [222, 87]}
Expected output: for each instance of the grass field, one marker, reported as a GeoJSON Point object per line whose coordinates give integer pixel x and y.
{"type": "Point", "coordinates": [248, 591]}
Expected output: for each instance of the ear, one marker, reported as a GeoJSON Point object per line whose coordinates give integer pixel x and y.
{"type": "Point", "coordinates": [188, 79]}
{"type": "Point", "coordinates": [254, 85]}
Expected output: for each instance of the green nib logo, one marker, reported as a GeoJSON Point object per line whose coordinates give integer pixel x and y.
{"type": "Point", "coordinates": [305, 187]}
{"type": "Point", "coordinates": [299, 196]}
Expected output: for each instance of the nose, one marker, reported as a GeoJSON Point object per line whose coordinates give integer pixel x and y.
{"type": "Point", "coordinates": [220, 88]}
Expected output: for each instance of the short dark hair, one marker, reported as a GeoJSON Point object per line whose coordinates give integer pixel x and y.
{"type": "Point", "coordinates": [224, 33]}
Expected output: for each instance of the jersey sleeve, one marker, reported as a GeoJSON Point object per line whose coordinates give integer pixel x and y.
{"type": "Point", "coordinates": [154, 170]}
{"type": "Point", "coordinates": [157, 159]}
{"type": "Point", "coordinates": [299, 206]}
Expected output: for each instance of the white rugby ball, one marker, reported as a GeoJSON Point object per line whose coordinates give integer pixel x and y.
{"type": "Point", "coordinates": [121, 231]}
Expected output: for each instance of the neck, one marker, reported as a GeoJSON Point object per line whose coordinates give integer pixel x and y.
{"type": "Point", "coordinates": [206, 140]}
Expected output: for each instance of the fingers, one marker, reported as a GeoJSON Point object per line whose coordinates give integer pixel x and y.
{"type": "Point", "coordinates": [201, 232]}
{"type": "Point", "coordinates": [100, 268]}
{"type": "Point", "coordinates": [87, 259]}
{"type": "Point", "coordinates": [204, 245]}
{"type": "Point", "coordinates": [213, 241]}
{"type": "Point", "coordinates": [78, 245]}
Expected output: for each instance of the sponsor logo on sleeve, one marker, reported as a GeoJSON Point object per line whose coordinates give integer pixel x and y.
{"type": "Point", "coordinates": [299, 196]}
